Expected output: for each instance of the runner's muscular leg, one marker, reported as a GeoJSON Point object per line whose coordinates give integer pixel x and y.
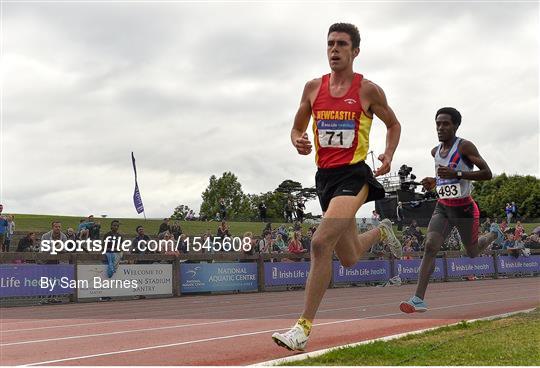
{"type": "Point", "coordinates": [337, 221]}
{"type": "Point", "coordinates": [438, 230]}
{"type": "Point", "coordinates": [351, 245]}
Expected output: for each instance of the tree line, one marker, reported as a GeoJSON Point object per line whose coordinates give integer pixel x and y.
{"type": "Point", "coordinates": [245, 206]}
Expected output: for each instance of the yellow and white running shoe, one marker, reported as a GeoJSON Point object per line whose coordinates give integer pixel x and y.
{"type": "Point", "coordinates": [389, 238]}
{"type": "Point", "coordinates": [294, 339]}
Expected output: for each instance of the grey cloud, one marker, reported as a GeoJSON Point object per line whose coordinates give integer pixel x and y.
{"type": "Point", "coordinates": [87, 84]}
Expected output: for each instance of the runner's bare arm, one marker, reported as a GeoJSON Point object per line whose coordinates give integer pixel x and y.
{"type": "Point", "coordinates": [379, 107]}
{"type": "Point", "coordinates": [429, 182]}
{"type": "Point", "coordinates": [299, 137]}
{"type": "Point", "coordinates": [468, 150]}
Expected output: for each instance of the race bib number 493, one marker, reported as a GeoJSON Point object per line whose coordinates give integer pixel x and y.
{"type": "Point", "coordinates": [449, 191]}
{"type": "Point", "coordinates": [336, 133]}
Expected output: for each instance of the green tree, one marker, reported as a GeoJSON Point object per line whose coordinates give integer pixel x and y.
{"type": "Point", "coordinates": [227, 187]}
{"type": "Point", "coordinates": [180, 212]}
{"type": "Point", "coordinates": [275, 202]}
{"type": "Point", "coordinates": [492, 195]}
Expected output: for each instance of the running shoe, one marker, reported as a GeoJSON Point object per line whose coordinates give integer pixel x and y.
{"type": "Point", "coordinates": [415, 304]}
{"type": "Point", "coordinates": [294, 339]}
{"type": "Point", "coordinates": [389, 238]}
{"type": "Point", "coordinates": [494, 228]}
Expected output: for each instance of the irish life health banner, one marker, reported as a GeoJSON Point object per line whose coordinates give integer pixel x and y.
{"type": "Point", "coordinates": [285, 273]}
{"type": "Point", "coordinates": [34, 280]}
{"type": "Point", "coordinates": [509, 264]}
{"type": "Point", "coordinates": [362, 271]}
{"type": "Point", "coordinates": [128, 280]}
{"type": "Point", "coordinates": [466, 266]}
{"type": "Point", "coordinates": [408, 269]}
{"type": "Point", "coordinates": [204, 277]}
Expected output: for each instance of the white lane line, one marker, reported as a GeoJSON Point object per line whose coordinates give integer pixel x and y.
{"type": "Point", "coordinates": [196, 324]}
{"type": "Point", "coordinates": [73, 325]}
{"type": "Point", "coordinates": [317, 353]}
{"type": "Point", "coordinates": [174, 302]}
{"type": "Point", "coordinates": [249, 334]}
{"type": "Point", "coordinates": [183, 325]}
{"type": "Point", "coordinates": [334, 298]}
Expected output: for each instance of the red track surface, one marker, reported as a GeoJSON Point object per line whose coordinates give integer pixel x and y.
{"type": "Point", "coordinates": [236, 329]}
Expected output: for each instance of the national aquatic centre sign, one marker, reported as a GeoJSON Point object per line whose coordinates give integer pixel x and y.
{"type": "Point", "coordinates": [205, 277]}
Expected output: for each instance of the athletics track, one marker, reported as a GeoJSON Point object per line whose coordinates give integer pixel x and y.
{"type": "Point", "coordinates": [235, 329]}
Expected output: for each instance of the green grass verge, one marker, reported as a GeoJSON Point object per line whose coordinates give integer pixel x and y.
{"type": "Point", "coordinates": [42, 223]}
{"type": "Point", "coordinates": [513, 341]}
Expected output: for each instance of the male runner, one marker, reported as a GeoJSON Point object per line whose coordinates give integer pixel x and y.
{"type": "Point", "coordinates": [455, 159]}
{"type": "Point", "coordinates": [342, 104]}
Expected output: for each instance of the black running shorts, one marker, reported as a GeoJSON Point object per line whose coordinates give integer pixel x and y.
{"type": "Point", "coordinates": [346, 181]}
{"type": "Point", "coordinates": [465, 216]}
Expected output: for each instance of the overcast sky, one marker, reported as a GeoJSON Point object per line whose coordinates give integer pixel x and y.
{"type": "Point", "coordinates": [199, 89]}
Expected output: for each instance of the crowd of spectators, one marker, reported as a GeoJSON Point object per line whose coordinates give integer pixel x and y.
{"type": "Point", "coordinates": [285, 238]}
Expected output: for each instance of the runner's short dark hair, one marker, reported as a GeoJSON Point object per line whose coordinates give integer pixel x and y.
{"type": "Point", "coordinates": [348, 28]}
{"type": "Point", "coordinates": [456, 116]}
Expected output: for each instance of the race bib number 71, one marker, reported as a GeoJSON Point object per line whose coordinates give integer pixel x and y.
{"type": "Point", "coordinates": [336, 133]}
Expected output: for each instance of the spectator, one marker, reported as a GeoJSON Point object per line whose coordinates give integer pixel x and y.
{"type": "Point", "coordinates": [222, 209]}
{"type": "Point", "coordinates": [279, 245]}
{"type": "Point", "coordinates": [363, 226]}
{"type": "Point", "coordinates": [407, 248]}
{"type": "Point", "coordinates": [486, 225]}
{"type": "Point", "coordinates": [533, 241]}
{"type": "Point", "coordinates": [183, 243]}
{"type": "Point", "coordinates": [375, 218]}
{"type": "Point", "coordinates": [267, 227]}
{"type": "Point", "coordinates": [509, 239]}
{"type": "Point", "coordinates": [295, 245]}
{"type": "Point", "coordinates": [176, 230]}
{"type": "Point", "coordinates": [113, 239]}
{"type": "Point", "coordinates": [169, 245]}
{"type": "Point", "coordinates": [9, 233]}
{"type": "Point", "coordinates": [377, 249]}
{"type": "Point", "coordinates": [289, 207]}
{"type": "Point", "coordinates": [509, 213]}
{"type": "Point", "coordinates": [55, 233]}
{"type": "Point", "coordinates": [89, 228]}
{"type": "Point", "coordinates": [265, 244]}
{"type": "Point", "coordinates": [223, 230]}
{"type": "Point", "coordinates": [262, 211]}
{"type": "Point", "coordinates": [70, 234]}
{"type": "Point", "coordinates": [82, 232]}
{"type": "Point", "coordinates": [306, 241]}
{"type": "Point", "coordinates": [284, 234]}
{"type": "Point", "coordinates": [190, 216]}
{"type": "Point", "coordinates": [164, 227]}
{"type": "Point", "coordinates": [3, 229]}
{"type": "Point", "coordinates": [140, 242]}
{"type": "Point", "coordinates": [415, 244]}
{"type": "Point", "coordinates": [27, 243]}
{"type": "Point", "coordinates": [518, 234]}
{"type": "Point", "coordinates": [251, 250]}
{"type": "Point", "coordinates": [399, 216]}
{"type": "Point", "coordinates": [300, 207]}
{"type": "Point", "coordinates": [514, 210]}
{"type": "Point", "coordinates": [503, 226]}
